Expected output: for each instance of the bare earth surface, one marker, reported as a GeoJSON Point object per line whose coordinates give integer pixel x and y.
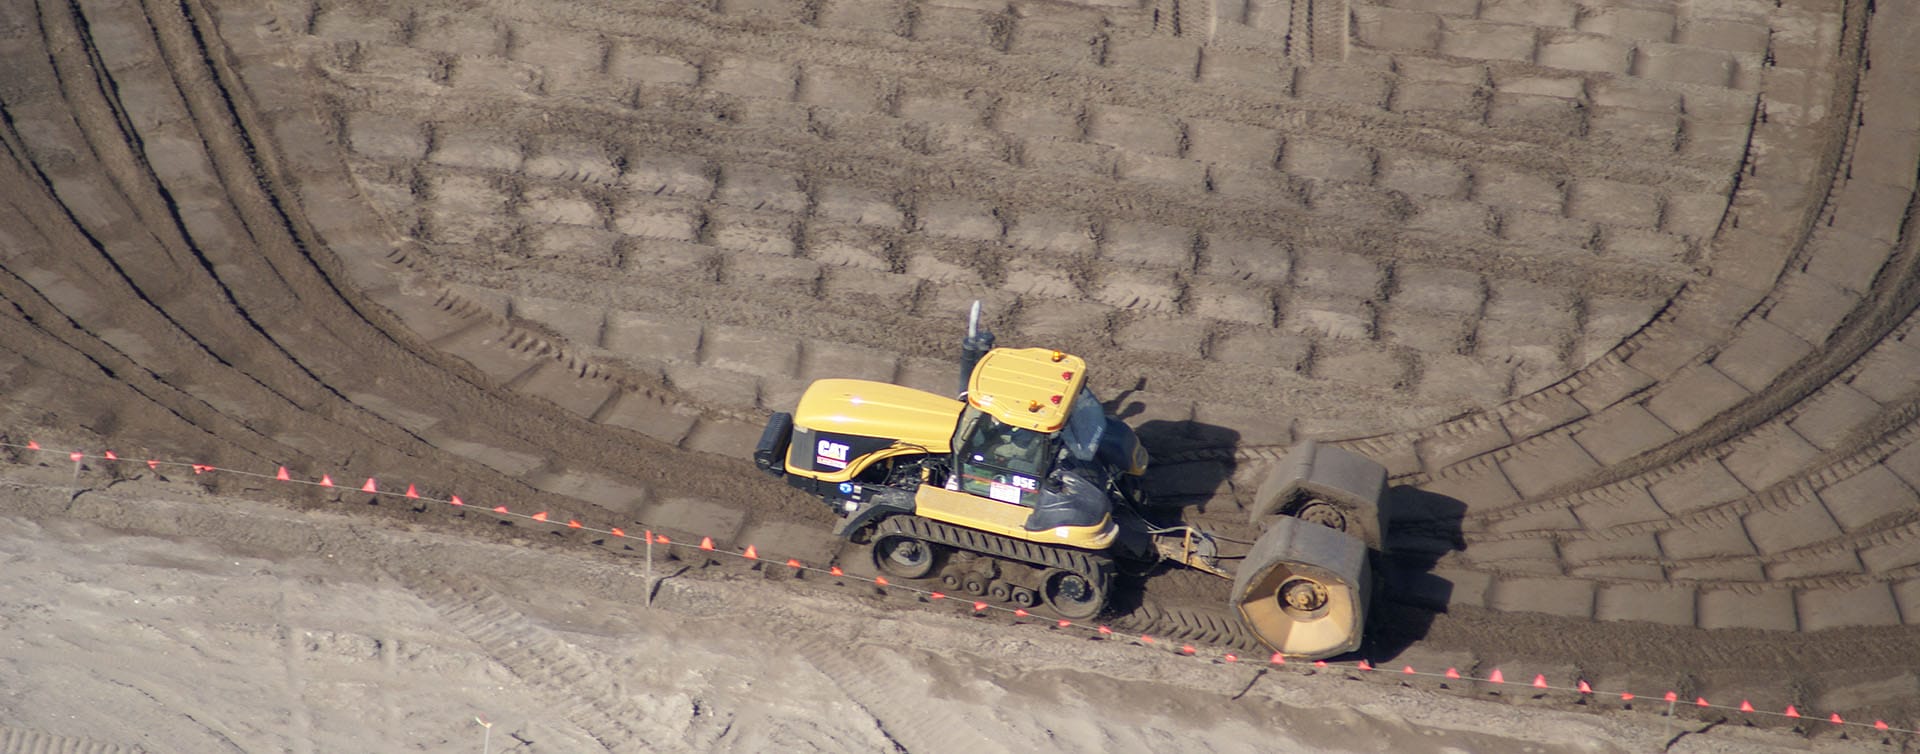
{"type": "Point", "coordinates": [1621, 291]}
{"type": "Point", "coordinates": [312, 631]}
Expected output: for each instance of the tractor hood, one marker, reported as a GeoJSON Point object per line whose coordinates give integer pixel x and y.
{"type": "Point", "coordinates": [877, 409]}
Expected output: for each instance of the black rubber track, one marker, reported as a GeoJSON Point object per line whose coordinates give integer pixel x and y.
{"type": "Point", "coordinates": [1218, 628]}
{"type": "Point", "coordinates": [1097, 569]}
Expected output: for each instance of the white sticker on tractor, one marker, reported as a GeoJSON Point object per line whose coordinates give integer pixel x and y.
{"type": "Point", "coordinates": [1005, 493]}
{"type": "Point", "coordinates": [830, 454]}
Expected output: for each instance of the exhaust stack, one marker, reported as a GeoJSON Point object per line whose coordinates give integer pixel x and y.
{"type": "Point", "coordinates": [974, 347]}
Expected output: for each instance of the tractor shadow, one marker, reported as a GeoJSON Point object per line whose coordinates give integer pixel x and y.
{"type": "Point", "coordinates": [1186, 472]}
{"type": "Point", "coordinates": [1186, 468]}
{"type": "Point", "coordinates": [1423, 527]}
{"type": "Point", "coordinates": [1191, 462]}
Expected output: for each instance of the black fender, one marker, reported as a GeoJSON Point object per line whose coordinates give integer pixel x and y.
{"type": "Point", "coordinates": [867, 512]}
{"type": "Point", "coordinates": [770, 454]}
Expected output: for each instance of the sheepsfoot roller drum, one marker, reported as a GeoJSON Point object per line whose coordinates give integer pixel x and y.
{"type": "Point", "coordinates": [1303, 589]}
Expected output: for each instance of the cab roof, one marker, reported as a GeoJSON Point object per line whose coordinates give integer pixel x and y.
{"type": "Point", "coordinates": [1029, 388]}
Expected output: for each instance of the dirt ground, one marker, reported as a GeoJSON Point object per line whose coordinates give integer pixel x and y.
{"type": "Point", "coordinates": [1622, 292]}
{"type": "Point", "coordinates": [195, 623]}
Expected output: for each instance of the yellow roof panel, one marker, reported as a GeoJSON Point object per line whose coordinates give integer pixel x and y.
{"type": "Point", "coordinates": [1030, 388]}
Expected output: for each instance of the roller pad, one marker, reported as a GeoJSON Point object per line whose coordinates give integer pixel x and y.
{"type": "Point", "coordinates": [1353, 482]}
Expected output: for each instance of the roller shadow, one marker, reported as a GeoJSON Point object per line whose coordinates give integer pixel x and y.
{"type": "Point", "coordinates": [1422, 528]}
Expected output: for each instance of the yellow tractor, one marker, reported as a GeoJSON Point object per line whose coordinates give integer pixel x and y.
{"type": "Point", "coordinates": [1025, 492]}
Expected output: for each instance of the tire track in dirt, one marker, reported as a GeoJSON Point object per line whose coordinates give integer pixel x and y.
{"type": "Point", "coordinates": [292, 657]}
{"type": "Point", "coordinates": [1066, 73]}
{"type": "Point", "coordinates": [920, 728]}
{"type": "Point", "coordinates": [1892, 299]}
{"type": "Point", "coordinates": [685, 123]}
{"type": "Point", "coordinates": [628, 118]}
{"type": "Point", "coordinates": [20, 741]}
{"type": "Point", "coordinates": [586, 694]}
{"type": "Point", "coordinates": [272, 316]}
{"type": "Point", "coordinates": [1867, 325]}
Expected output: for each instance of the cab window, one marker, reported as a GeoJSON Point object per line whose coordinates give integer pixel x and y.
{"type": "Point", "coordinates": [999, 461]}
{"type": "Point", "coordinates": [1086, 422]}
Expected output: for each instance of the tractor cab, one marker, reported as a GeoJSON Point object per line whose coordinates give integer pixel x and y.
{"type": "Point", "coordinates": [1033, 435]}
{"type": "Point", "coordinates": [1001, 461]}
{"type": "Point", "coordinates": [1008, 438]}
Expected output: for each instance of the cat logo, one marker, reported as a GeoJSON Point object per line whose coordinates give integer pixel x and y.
{"type": "Point", "coordinates": [828, 454]}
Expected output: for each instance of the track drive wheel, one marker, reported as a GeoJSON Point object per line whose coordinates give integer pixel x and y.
{"type": "Point", "coordinates": [905, 557]}
{"type": "Point", "coordinates": [1074, 596]}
